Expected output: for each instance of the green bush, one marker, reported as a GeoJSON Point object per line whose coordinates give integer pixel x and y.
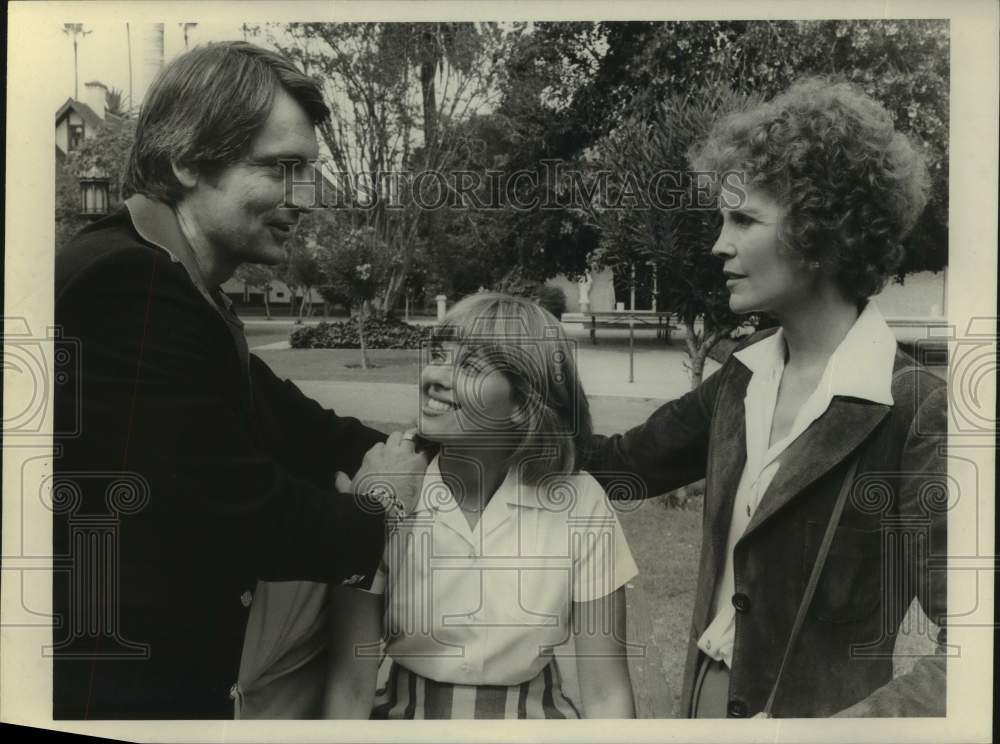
{"type": "Point", "coordinates": [380, 333]}
{"type": "Point", "coordinates": [517, 283]}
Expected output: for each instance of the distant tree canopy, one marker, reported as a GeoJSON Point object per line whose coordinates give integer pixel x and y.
{"type": "Point", "coordinates": [567, 87]}
{"type": "Point", "coordinates": [904, 64]}
{"type": "Point", "coordinates": [516, 98]}
{"type": "Point", "coordinates": [398, 92]}
{"type": "Point", "coordinates": [644, 221]}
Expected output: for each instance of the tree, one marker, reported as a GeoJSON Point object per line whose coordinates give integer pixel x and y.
{"type": "Point", "coordinates": [75, 30]}
{"type": "Point", "coordinates": [904, 64]}
{"type": "Point", "coordinates": [616, 78]}
{"type": "Point", "coordinates": [397, 91]}
{"type": "Point", "coordinates": [185, 27]}
{"type": "Point", "coordinates": [259, 277]}
{"type": "Point", "coordinates": [530, 135]}
{"type": "Point", "coordinates": [646, 218]}
{"type": "Point", "coordinates": [304, 264]}
{"type": "Point", "coordinates": [286, 274]}
{"type": "Point", "coordinates": [116, 103]}
{"type": "Point", "coordinates": [356, 263]}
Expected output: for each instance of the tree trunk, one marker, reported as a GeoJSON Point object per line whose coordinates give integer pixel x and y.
{"type": "Point", "coordinates": [698, 366]}
{"type": "Point", "coordinates": [131, 90]}
{"type": "Point", "coordinates": [302, 304]}
{"type": "Point", "coordinates": [698, 346]}
{"type": "Point", "coordinates": [691, 340]}
{"type": "Point", "coordinates": [428, 69]}
{"type": "Point", "coordinates": [361, 336]}
{"type": "Point", "coordinates": [393, 290]}
{"type": "Point", "coordinates": [267, 306]}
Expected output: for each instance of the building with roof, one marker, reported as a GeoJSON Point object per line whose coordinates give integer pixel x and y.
{"type": "Point", "coordinates": [80, 120]}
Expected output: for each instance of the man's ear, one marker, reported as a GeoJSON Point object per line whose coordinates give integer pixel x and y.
{"type": "Point", "coordinates": [187, 174]}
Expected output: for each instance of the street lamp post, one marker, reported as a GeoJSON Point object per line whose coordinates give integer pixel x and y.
{"type": "Point", "coordinates": [94, 194]}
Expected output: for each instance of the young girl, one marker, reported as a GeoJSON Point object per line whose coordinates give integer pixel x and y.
{"type": "Point", "coordinates": [511, 553]}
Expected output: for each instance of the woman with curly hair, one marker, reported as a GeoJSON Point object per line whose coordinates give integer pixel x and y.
{"type": "Point", "coordinates": [820, 441]}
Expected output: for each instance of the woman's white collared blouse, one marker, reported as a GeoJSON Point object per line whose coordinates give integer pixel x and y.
{"type": "Point", "coordinates": [487, 605]}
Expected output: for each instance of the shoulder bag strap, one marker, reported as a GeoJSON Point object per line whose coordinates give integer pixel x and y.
{"type": "Point", "coordinates": [824, 549]}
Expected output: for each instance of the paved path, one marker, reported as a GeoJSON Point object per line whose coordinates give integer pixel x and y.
{"type": "Point", "coordinates": [276, 346]}
{"type": "Point", "coordinates": [658, 371]}
{"type": "Point", "coordinates": [391, 403]}
{"type": "Point", "coordinates": [659, 374]}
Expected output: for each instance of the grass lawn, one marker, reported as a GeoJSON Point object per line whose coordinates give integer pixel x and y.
{"type": "Point", "coordinates": [665, 544]}
{"type": "Point", "coordinates": [390, 365]}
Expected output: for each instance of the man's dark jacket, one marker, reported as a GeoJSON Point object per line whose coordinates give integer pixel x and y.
{"type": "Point", "coordinates": [196, 472]}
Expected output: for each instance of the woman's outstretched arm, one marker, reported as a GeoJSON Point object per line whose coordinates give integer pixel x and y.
{"type": "Point", "coordinates": [355, 628]}
{"type": "Point", "coordinates": [669, 449]}
{"type": "Point", "coordinates": [602, 664]}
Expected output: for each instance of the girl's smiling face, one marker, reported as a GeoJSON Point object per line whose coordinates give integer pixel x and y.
{"type": "Point", "coordinates": [464, 394]}
{"type": "Point", "coordinates": [762, 275]}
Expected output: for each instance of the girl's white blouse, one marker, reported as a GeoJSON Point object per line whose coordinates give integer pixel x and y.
{"type": "Point", "coordinates": [488, 605]}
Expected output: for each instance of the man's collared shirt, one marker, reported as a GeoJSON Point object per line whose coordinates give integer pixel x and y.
{"type": "Point", "coordinates": [486, 605]}
{"type": "Point", "coordinates": [860, 367]}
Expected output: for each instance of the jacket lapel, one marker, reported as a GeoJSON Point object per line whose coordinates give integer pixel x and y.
{"type": "Point", "coordinates": [828, 441]}
{"type": "Point", "coordinates": [725, 466]}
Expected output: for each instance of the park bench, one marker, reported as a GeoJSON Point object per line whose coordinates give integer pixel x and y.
{"type": "Point", "coordinates": [622, 319]}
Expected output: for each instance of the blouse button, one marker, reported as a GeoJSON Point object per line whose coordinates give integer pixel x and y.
{"type": "Point", "coordinates": [246, 599]}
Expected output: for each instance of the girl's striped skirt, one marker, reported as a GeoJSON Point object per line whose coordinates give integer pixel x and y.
{"type": "Point", "coordinates": [403, 694]}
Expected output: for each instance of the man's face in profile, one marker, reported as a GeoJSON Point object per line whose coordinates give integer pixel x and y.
{"type": "Point", "coordinates": [239, 210]}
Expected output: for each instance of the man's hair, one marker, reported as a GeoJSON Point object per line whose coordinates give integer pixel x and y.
{"type": "Point", "coordinates": [829, 153]}
{"type": "Point", "coordinates": [204, 109]}
{"type": "Point", "coordinates": [526, 343]}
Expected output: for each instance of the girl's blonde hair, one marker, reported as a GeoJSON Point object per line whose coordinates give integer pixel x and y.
{"type": "Point", "coordinates": [528, 346]}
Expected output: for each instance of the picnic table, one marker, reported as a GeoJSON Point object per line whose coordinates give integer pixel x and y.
{"type": "Point", "coordinates": [623, 318]}
{"type": "Point", "coordinates": [617, 318]}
